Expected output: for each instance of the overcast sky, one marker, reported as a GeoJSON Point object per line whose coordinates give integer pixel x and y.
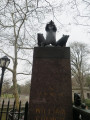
{"type": "Point", "coordinates": [67, 18]}
{"type": "Point", "coordinates": [68, 21]}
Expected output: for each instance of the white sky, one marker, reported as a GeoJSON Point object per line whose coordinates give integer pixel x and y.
{"type": "Point", "coordinates": [77, 33]}
{"type": "Point", "coordinates": [68, 16]}
{"type": "Point", "coordinates": [65, 15]}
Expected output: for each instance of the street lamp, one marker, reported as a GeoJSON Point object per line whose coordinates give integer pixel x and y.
{"type": "Point", "coordinates": [4, 62]}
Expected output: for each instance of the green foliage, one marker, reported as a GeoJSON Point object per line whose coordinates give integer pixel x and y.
{"type": "Point", "coordinates": [7, 96]}
{"type": "Point", "coordinates": [87, 101]}
{"type": "Point", "coordinates": [3, 116]}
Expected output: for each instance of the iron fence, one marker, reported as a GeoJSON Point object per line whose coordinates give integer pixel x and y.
{"type": "Point", "coordinates": [80, 114]}
{"type": "Point", "coordinates": [11, 113]}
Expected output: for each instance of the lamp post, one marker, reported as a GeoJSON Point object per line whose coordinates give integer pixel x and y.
{"type": "Point", "coordinates": [4, 62]}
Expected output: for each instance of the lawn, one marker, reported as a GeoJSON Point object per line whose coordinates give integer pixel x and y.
{"type": "Point", "coordinates": [3, 116]}
{"type": "Point", "coordinates": [7, 96]}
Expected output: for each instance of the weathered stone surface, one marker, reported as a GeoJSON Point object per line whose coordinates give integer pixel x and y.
{"type": "Point", "coordinates": [50, 94]}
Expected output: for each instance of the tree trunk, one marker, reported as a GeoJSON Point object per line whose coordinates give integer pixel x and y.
{"type": "Point", "coordinates": [14, 72]}
{"type": "Point", "coordinates": [80, 78]}
{"type": "Point", "coordinates": [82, 91]}
{"type": "Point", "coordinates": [16, 96]}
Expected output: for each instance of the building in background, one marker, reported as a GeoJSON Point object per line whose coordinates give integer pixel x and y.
{"type": "Point", "coordinates": [76, 89]}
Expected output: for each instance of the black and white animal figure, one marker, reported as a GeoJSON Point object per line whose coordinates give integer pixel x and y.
{"type": "Point", "coordinates": [40, 39]}
{"type": "Point", "coordinates": [77, 100]}
{"type": "Point", "coordinates": [50, 34]}
{"type": "Point", "coordinates": [62, 41]}
{"type": "Point", "coordinates": [83, 105]}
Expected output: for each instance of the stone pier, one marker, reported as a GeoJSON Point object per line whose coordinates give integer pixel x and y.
{"type": "Point", "coordinates": [50, 94]}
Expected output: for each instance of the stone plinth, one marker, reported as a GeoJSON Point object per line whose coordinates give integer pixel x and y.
{"type": "Point", "coordinates": [50, 94]}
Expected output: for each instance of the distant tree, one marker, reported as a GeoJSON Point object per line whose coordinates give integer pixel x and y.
{"type": "Point", "coordinates": [79, 65]}
{"type": "Point", "coordinates": [19, 21]}
{"type": "Point", "coordinates": [82, 17]}
{"type": "Point", "coordinates": [19, 89]}
{"type": "Point", "coordinates": [6, 87]}
{"type": "Point", "coordinates": [25, 89]}
{"type": "Point", "coordinates": [88, 81]}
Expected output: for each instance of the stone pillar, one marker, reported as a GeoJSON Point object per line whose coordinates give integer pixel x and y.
{"type": "Point", "coordinates": [51, 94]}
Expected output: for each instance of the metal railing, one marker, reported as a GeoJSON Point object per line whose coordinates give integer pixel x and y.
{"type": "Point", "coordinates": [80, 111]}
{"type": "Point", "coordinates": [11, 113]}
{"type": "Point", "coordinates": [80, 114]}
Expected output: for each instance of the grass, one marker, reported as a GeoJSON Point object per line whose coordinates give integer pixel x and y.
{"type": "Point", "coordinates": [7, 96]}
{"type": "Point", "coordinates": [3, 116]}
{"type": "Point", "coordinates": [87, 101]}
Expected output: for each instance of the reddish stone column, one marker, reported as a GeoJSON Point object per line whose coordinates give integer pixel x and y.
{"type": "Point", "coordinates": [50, 94]}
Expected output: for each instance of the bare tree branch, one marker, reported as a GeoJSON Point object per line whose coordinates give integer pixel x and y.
{"type": "Point", "coordinates": [7, 54]}
{"type": "Point", "coordinates": [26, 48]}
{"type": "Point", "coordinates": [24, 73]}
{"type": "Point", "coordinates": [25, 60]}
{"type": "Point", "coordinates": [10, 70]}
{"type": "Point", "coordinates": [79, 52]}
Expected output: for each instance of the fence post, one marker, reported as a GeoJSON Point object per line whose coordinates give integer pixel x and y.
{"type": "Point", "coordinates": [2, 110]}
{"type": "Point", "coordinates": [13, 109]}
{"type": "Point", "coordinates": [19, 110]}
{"type": "Point", "coordinates": [26, 111]}
{"type": "Point", "coordinates": [7, 109]}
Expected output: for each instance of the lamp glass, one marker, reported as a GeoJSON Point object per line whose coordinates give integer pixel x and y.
{"type": "Point", "coordinates": [7, 63]}
{"type": "Point", "coordinates": [4, 62]}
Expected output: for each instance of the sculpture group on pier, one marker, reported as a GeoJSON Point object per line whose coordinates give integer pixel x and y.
{"type": "Point", "coordinates": [51, 37]}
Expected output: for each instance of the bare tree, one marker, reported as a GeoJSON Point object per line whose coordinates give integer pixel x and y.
{"type": "Point", "coordinates": [6, 87]}
{"type": "Point", "coordinates": [82, 17]}
{"type": "Point", "coordinates": [18, 27]}
{"type": "Point", "coordinates": [13, 16]}
{"type": "Point", "coordinates": [79, 65]}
